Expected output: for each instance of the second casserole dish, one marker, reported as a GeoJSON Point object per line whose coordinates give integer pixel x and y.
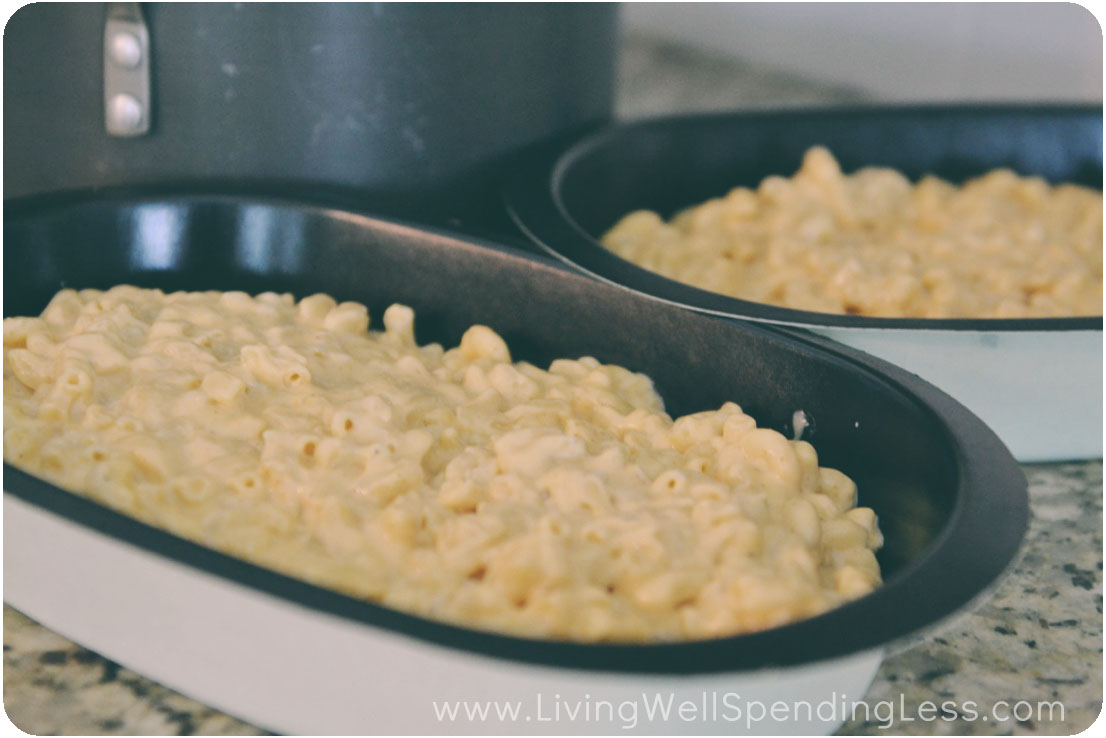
{"type": "Point", "coordinates": [1037, 381]}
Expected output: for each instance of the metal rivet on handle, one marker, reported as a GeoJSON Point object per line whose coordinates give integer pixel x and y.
{"type": "Point", "coordinates": [126, 50]}
{"type": "Point", "coordinates": [125, 112]}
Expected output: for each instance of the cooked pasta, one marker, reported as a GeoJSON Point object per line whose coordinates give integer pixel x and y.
{"type": "Point", "coordinates": [871, 243]}
{"type": "Point", "coordinates": [455, 484]}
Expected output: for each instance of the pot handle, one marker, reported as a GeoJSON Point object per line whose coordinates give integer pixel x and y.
{"type": "Point", "coordinates": [126, 71]}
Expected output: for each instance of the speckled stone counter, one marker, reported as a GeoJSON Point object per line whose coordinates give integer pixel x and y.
{"type": "Point", "coordinates": [1037, 637]}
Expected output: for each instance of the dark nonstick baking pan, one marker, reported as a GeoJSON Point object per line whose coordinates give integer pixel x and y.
{"type": "Point", "coordinates": [1037, 382]}
{"type": "Point", "coordinates": [293, 657]}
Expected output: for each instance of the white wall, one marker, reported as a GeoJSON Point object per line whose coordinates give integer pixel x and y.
{"type": "Point", "coordinates": [902, 51]}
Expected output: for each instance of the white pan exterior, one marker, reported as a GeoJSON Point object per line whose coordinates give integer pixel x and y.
{"type": "Point", "coordinates": [1040, 391]}
{"type": "Point", "coordinates": [294, 670]}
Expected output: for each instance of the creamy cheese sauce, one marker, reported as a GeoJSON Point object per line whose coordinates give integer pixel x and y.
{"type": "Point", "coordinates": [872, 243]}
{"type": "Point", "coordinates": [455, 484]}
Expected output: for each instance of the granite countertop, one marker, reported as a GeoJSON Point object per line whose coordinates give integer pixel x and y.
{"type": "Point", "coordinates": [1037, 636]}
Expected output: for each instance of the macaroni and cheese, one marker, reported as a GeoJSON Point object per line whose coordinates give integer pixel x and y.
{"type": "Point", "coordinates": [455, 484]}
{"type": "Point", "coordinates": [871, 243]}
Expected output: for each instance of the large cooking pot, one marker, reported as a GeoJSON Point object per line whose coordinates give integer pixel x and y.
{"type": "Point", "coordinates": [394, 104]}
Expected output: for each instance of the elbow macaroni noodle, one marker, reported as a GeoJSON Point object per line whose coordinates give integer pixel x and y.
{"type": "Point", "coordinates": [452, 484]}
{"type": "Point", "coordinates": [871, 243]}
